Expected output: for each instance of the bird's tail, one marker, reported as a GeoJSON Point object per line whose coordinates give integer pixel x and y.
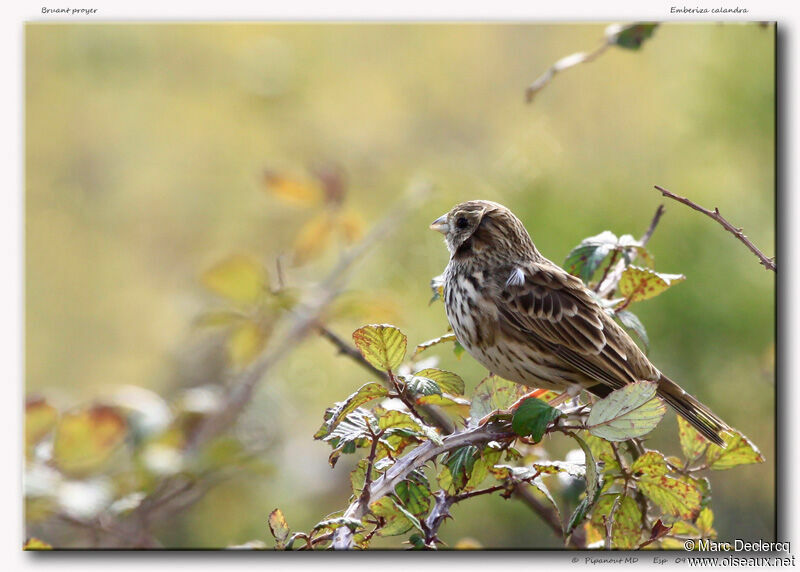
{"type": "Point", "coordinates": [701, 417]}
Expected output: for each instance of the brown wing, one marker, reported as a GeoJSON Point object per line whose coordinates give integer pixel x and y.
{"type": "Point", "coordinates": [542, 304]}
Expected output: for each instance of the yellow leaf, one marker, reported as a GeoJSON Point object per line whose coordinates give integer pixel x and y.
{"type": "Point", "coordinates": [454, 405]}
{"type": "Point", "coordinates": [351, 225]}
{"type": "Point", "coordinates": [692, 443]}
{"type": "Point", "coordinates": [278, 526]}
{"type": "Point", "coordinates": [40, 418]}
{"type": "Point", "coordinates": [85, 440]}
{"type": "Point", "coordinates": [382, 345]}
{"type": "Point", "coordinates": [651, 463]}
{"type": "Point", "coordinates": [739, 450]}
{"type": "Point", "coordinates": [639, 284]}
{"type": "Point", "coordinates": [34, 543]}
{"type": "Point", "coordinates": [239, 278]}
{"type": "Point", "coordinates": [626, 522]}
{"type": "Point", "coordinates": [674, 497]}
{"type": "Point", "coordinates": [468, 543]}
{"type": "Point", "coordinates": [704, 522]}
{"type": "Point", "coordinates": [312, 238]}
{"type": "Point", "coordinates": [245, 342]}
{"type": "Point", "coordinates": [292, 189]}
{"type": "Point", "coordinates": [593, 533]}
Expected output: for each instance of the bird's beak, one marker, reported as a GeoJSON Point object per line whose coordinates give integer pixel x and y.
{"type": "Point", "coordinates": [440, 224]}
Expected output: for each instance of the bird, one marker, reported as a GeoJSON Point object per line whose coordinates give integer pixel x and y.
{"type": "Point", "coordinates": [529, 321]}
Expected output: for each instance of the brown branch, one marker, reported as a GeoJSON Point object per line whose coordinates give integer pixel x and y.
{"type": "Point", "coordinates": [653, 224]}
{"type": "Point", "coordinates": [547, 514]}
{"type": "Point", "coordinates": [435, 416]}
{"type": "Point", "coordinates": [768, 263]}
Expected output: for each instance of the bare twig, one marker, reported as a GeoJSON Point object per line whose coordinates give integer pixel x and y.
{"type": "Point", "coordinates": [629, 36]}
{"type": "Point", "coordinates": [768, 263]}
{"type": "Point", "coordinates": [653, 224]}
{"type": "Point", "coordinates": [563, 64]}
{"type": "Point", "coordinates": [608, 284]}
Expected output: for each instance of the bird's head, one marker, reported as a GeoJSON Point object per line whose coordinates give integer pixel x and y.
{"type": "Point", "coordinates": [483, 228]}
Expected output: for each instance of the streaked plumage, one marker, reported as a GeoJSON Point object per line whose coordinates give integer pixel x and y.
{"type": "Point", "coordinates": [527, 320]}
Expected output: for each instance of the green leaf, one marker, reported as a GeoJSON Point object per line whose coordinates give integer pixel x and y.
{"type": "Point", "coordinates": [492, 394]}
{"type": "Point", "coordinates": [238, 278]}
{"type": "Point", "coordinates": [333, 523]}
{"type": "Point", "coordinates": [632, 322]}
{"type": "Point", "coordinates": [532, 418]}
{"type": "Point", "coordinates": [630, 37]}
{"type": "Point", "coordinates": [593, 482]}
{"type": "Point", "coordinates": [652, 464]}
{"type": "Point", "coordinates": [278, 527]}
{"type": "Point", "coordinates": [603, 452]}
{"type": "Point", "coordinates": [382, 345]}
{"type": "Point", "coordinates": [629, 412]}
{"type": "Point", "coordinates": [459, 464]}
{"type": "Point", "coordinates": [692, 443]}
{"type": "Point", "coordinates": [637, 283]}
{"type": "Point", "coordinates": [422, 385]}
{"type": "Point", "coordinates": [358, 476]}
{"type": "Point", "coordinates": [673, 496]}
{"type": "Point", "coordinates": [447, 381]}
{"type": "Point", "coordinates": [626, 527]}
{"type": "Point", "coordinates": [398, 519]}
{"type": "Point", "coordinates": [398, 420]}
{"type": "Point", "coordinates": [352, 431]}
{"type": "Point", "coordinates": [449, 337]}
{"type": "Point", "coordinates": [415, 495]}
{"type": "Point", "coordinates": [480, 469]}
{"type": "Point", "coordinates": [539, 485]}
{"type": "Point", "coordinates": [364, 394]}
{"type": "Point", "coordinates": [739, 450]}
{"type": "Point", "coordinates": [585, 259]}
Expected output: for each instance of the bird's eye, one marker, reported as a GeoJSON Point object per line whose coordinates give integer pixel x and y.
{"type": "Point", "coordinates": [462, 222]}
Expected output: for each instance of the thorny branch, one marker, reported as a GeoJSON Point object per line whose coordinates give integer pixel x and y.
{"type": "Point", "coordinates": [383, 485]}
{"type": "Point", "coordinates": [768, 263]}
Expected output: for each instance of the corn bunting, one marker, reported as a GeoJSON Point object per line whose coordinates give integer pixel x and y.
{"type": "Point", "coordinates": [529, 321]}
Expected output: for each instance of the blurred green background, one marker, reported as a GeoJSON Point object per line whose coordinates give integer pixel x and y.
{"type": "Point", "coordinates": [145, 148]}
